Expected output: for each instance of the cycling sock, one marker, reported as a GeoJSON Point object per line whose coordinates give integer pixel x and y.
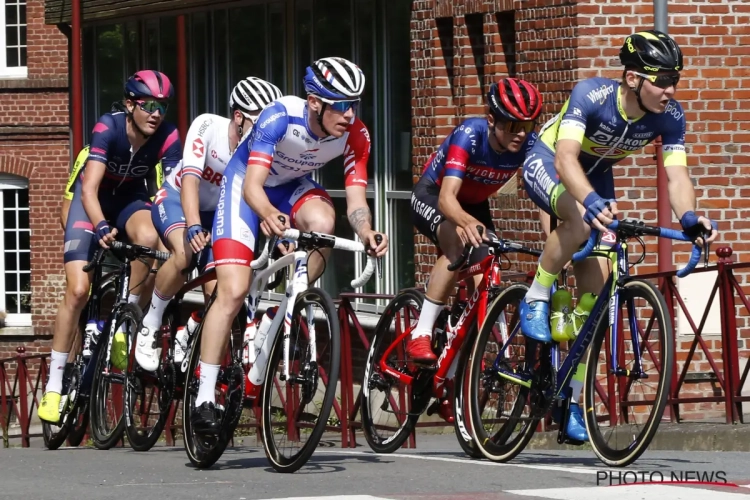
{"type": "Point", "coordinates": [540, 288]}
{"type": "Point", "coordinates": [576, 384]}
{"type": "Point", "coordinates": [133, 299]}
{"type": "Point", "coordinates": [57, 362]}
{"type": "Point", "coordinates": [427, 317]}
{"type": "Point", "coordinates": [155, 313]}
{"type": "Point", "coordinates": [207, 388]}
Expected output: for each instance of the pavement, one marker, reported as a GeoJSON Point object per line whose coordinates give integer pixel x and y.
{"type": "Point", "coordinates": [435, 470]}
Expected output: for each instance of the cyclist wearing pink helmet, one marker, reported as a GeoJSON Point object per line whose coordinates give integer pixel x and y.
{"type": "Point", "coordinates": [111, 195]}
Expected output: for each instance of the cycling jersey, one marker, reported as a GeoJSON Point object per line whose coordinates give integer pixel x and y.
{"type": "Point", "coordinates": [157, 178]}
{"type": "Point", "coordinates": [282, 141]}
{"type": "Point", "coordinates": [466, 153]}
{"type": "Point", "coordinates": [110, 145]}
{"type": "Point", "coordinates": [205, 156]}
{"type": "Point", "coordinates": [593, 116]}
{"type": "Point", "coordinates": [75, 172]}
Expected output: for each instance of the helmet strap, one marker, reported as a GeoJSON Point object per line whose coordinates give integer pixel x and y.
{"type": "Point", "coordinates": [637, 91]}
{"type": "Point", "coordinates": [138, 129]}
{"type": "Point", "coordinates": [320, 118]}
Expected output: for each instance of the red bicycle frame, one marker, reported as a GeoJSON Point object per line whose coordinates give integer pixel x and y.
{"type": "Point", "coordinates": [477, 304]}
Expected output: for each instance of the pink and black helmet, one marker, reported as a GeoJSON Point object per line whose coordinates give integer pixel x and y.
{"type": "Point", "coordinates": [149, 83]}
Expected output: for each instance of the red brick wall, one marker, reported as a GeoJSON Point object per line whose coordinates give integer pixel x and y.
{"type": "Point", "coordinates": [559, 43]}
{"type": "Point", "coordinates": [35, 144]}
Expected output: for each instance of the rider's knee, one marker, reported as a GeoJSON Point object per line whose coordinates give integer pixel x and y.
{"type": "Point", "coordinates": [145, 235]}
{"type": "Point", "coordinates": [77, 293]}
{"type": "Point", "coordinates": [231, 292]}
{"type": "Point", "coordinates": [319, 222]}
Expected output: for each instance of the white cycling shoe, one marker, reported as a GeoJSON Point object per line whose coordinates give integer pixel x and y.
{"type": "Point", "coordinates": [146, 353]}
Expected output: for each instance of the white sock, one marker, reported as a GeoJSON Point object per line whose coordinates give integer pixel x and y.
{"type": "Point", "coordinates": [57, 362]}
{"type": "Point", "coordinates": [537, 292]}
{"type": "Point", "coordinates": [576, 386]}
{"type": "Point", "coordinates": [207, 388]}
{"type": "Point", "coordinates": [133, 299]}
{"type": "Point", "coordinates": [428, 315]}
{"type": "Point", "coordinates": [156, 310]}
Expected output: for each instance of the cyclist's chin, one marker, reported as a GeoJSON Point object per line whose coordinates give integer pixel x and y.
{"type": "Point", "coordinates": [659, 107]}
{"type": "Point", "coordinates": [514, 146]}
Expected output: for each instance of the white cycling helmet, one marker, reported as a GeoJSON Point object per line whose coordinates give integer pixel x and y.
{"type": "Point", "coordinates": [251, 95]}
{"type": "Point", "coordinates": [334, 78]}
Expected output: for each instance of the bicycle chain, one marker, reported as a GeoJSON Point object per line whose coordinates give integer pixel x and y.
{"type": "Point", "coordinates": [545, 389]}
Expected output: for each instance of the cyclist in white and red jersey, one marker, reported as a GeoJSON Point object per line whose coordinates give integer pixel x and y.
{"type": "Point", "coordinates": [568, 173]}
{"type": "Point", "coordinates": [183, 209]}
{"type": "Point", "coordinates": [268, 180]}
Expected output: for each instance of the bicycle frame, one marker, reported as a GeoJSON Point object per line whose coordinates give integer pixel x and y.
{"type": "Point", "coordinates": [476, 306]}
{"type": "Point", "coordinates": [296, 285]}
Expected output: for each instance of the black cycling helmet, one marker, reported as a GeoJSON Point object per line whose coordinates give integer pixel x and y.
{"type": "Point", "coordinates": [651, 51]}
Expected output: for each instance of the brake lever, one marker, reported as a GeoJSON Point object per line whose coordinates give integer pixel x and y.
{"type": "Point", "coordinates": [378, 260]}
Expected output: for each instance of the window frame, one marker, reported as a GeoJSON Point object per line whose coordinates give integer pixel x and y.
{"type": "Point", "coordinates": [5, 71]}
{"type": "Point", "coordinates": [9, 182]}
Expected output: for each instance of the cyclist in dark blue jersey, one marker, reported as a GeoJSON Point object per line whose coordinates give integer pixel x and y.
{"type": "Point", "coordinates": [451, 198]}
{"type": "Point", "coordinates": [111, 195]}
{"type": "Point", "coordinates": [568, 173]}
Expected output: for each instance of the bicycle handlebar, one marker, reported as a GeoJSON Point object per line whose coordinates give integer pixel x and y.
{"type": "Point", "coordinates": [133, 252]}
{"type": "Point", "coordinates": [499, 246]}
{"type": "Point", "coordinates": [320, 240]}
{"type": "Point", "coordinates": [630, 228]}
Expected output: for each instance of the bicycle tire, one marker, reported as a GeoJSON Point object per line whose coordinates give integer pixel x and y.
{"type": "Point", "coordinates": [495, 446]}
{"type": "Point", "coordinates": [204, 451]}
{"type": "Point", "coordinates": [632, 451]}
{"type": "Point", "coordinates": [461, 420]}
{"type": "Point", "coordinates": [104, 439]}
{"type": "Point", "coordinates": [409, 297]}
{"type": "Point", "coordinates": [275, 455]}
{"type": "Point", "coordinates": [143, 438]}
{"type": "Point", "coordinates": [79, 426]}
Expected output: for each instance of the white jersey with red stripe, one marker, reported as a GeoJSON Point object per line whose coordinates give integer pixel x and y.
{"type": "Point", "coordinates": [282, 141]}
{"type": "Point", "coordinates": [206, 155]}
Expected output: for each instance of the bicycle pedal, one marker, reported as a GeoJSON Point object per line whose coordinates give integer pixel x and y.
{"type": "Point", "coordinates": [433, 408]}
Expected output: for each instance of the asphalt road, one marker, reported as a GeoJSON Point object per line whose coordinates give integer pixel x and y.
{"type": "Point", "coordinates": [436, 469]}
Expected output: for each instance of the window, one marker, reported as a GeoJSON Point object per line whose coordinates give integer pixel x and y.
{"type": "Point", "coordinates": [13, 38]}
{"type": "Point", "coordinates": [15, 263]}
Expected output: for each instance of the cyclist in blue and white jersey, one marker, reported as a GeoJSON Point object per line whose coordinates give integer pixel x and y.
{"type": "Point", "coordinates": [269, 177]}
{"type": "Point", "coordinates": [568, 173]}
{"type": "Point", "coordinates": [184, 208]}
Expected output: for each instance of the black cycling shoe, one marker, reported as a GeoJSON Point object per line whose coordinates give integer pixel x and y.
{"type": "Point", "coordinates": [206, 419]}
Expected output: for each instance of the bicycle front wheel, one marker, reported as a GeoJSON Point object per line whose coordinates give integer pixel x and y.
{"type": "Point", "coordinates": [296, 410]}
{"type": "Point", "coordinates": [623, 410]}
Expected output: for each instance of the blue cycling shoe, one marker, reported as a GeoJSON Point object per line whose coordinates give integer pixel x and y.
{"type": "Point", "coordinates": [535, 320]}
{"type": "Point", "coordinates": [576, 428]}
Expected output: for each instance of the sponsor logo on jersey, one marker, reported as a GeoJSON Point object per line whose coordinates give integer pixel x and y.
{"type": "Point", "coordinates": [627, 143]}
{"type": "Point", "coordinates": [309, 155]}
{"type": "Point", "coordinates": [606, 128]}
{"type": "Point", "coordinates": [272, 119]}
{"type": "Point", "coordinates": [198, 148]}
{"type": "Point", "coordinates": [601, 93]}
{"type": "Point", "coordinates": [642, 135]}
{"type": "Point", "coordinates": [673, 110]}
{"type": "Point", "coordinates": [577, 112]}
{"type": "Point", "coordinates": [204, 126]}
{"type": "Point", "coordinates": [296, 161]}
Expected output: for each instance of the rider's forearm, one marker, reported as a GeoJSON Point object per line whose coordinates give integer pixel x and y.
{"type": "Point", "coordinates": [573, 177]}
{"type": "Point", "coordinates": [681, 195]}
{"type": "Point", "coordinates": [257, 199]}
{"type": "Point", "coordinates": [451, 208]}
{"type": "Point", "coordinates": [190, 199]}
{"type": "Point", "coordinates": [90, 202]}
{"type": "Point", "coordinates": [360, 218]}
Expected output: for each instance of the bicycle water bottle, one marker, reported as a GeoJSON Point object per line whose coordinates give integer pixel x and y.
{"type": "Point", "coordinates": [92, 331]}
{"type": "Point", "coordinates": [248, 349]}
{"type": "Point", "coordinates": [256, 373]}
{"type": "Point", "coordinates": [265, 325]}
{"type": "Point", "coordinates": [183, 335]}
{"type": "Point", "coordinates": [582, 312]}
{"type": "Point", "coordinates": [561, 325]}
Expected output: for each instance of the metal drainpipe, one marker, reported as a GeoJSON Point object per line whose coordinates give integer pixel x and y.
{"type": "Point", "coordinates": [663, 208]}
{"type": "Point", "coordinates": [76, 76]}
{"type": "Point", "coordinates": [182, 87]}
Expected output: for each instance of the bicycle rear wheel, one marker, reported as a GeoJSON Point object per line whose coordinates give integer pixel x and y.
{"type": "Point", "coordinates": [623, 411]}
{"type": "Point", "coordinates": [203, 450]}
{"type": "Point", "coordinates": [462, 421]}
{"type": "Point", "coordinates": [105, 405]}
{"type": "Point", "coordinates": [296, 410]}
{"type": "Point", "coordinates": [388, 416]}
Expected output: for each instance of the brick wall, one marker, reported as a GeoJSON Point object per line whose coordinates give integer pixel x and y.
{"type": "Point", "coordinates": [556, 44]}
{"type": "Point", "coordinates": [34, 144]}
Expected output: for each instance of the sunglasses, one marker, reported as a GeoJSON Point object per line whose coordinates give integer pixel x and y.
{"type": "Point", "coordinates": [517, 127]}
{"type": "Point", "coordinates": [342, 106]}
{"type": "Point", "coordinates": [151, 107]}
{"type": "Point", "coordinates": [661, 81]}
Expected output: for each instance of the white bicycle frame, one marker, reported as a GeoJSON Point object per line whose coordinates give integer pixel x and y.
{"type": "Point", "coordinates": [296, 285]}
